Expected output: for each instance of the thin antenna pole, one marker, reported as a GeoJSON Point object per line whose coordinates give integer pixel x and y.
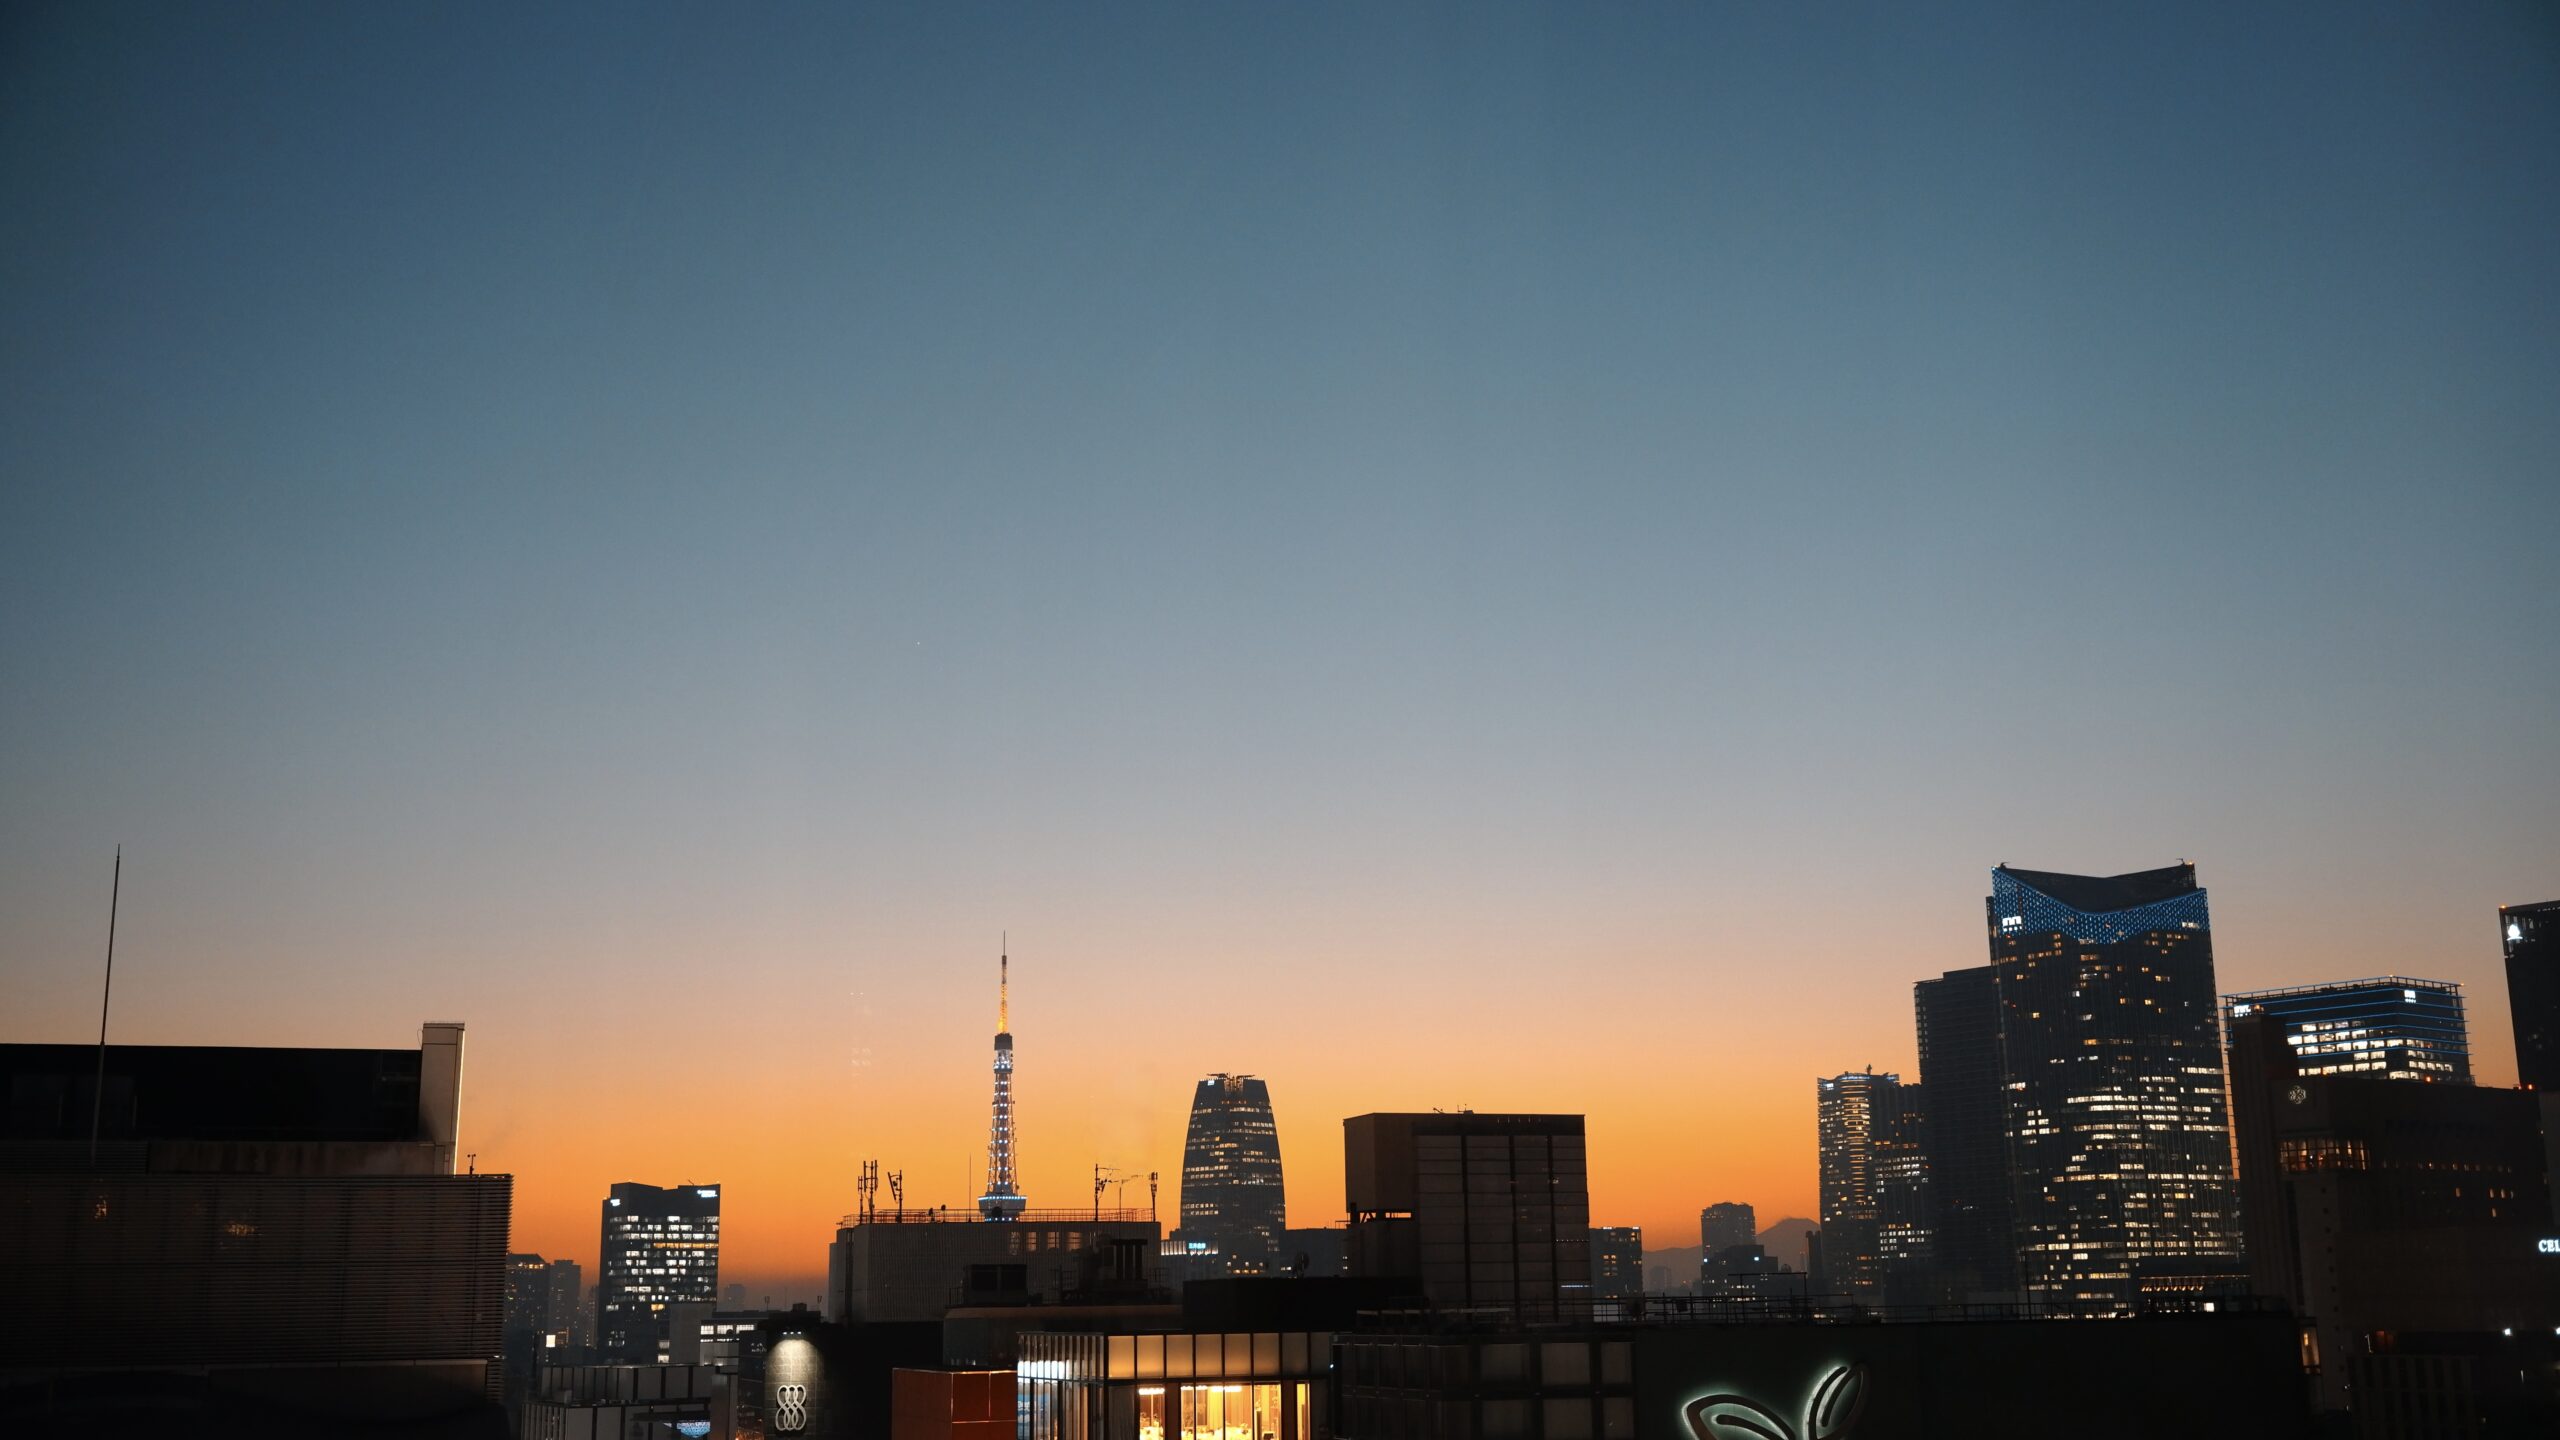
{"type": "Point", "coordinates": [98, 1101]}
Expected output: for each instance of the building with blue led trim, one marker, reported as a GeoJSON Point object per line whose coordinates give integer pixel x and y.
{"type": "Point", "coordinates": [2079, 1132]}
{"type": "Point", "coordinates": [2390, 1027]}
{"type": "Point", "coordinates": [2118, 1128]}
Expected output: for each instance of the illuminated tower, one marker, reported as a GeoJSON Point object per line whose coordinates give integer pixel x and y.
{"type": "Point", "coordinates": [1002, 1201]}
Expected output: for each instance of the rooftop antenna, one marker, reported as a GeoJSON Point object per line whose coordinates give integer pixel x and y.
{"type": "Point", "coordinates": [1004, 981]}
{"type": "Point", "coordinates": [98, 1101]}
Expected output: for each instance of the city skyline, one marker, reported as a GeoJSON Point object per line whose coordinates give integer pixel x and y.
{"type": "Point", "coordinates": [1476, 556]}
{"type": "Point", "coordinates": [774, 1251]}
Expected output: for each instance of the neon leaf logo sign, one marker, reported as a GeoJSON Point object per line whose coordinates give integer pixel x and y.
{"type": "Point", "coordinates": [1830, 1413]}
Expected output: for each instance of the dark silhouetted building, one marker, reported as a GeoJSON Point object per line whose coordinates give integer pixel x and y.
{"type": "Point", "coordinates": [1967, 1128]}
{"type": "Point", "coordinates": [912, 1265]}
{"type": "Point", "coordinates": [612, 1402]}
{"type": "Point", "coordinates": [258, 1235]}
{"type": "Point", "coordinates": [1488, 1211]}
{"type": "Point", "coordinates": [2105, 1074]}
{"type": "Point", "coordinates": [2383, 1210]}
{"type": "Point", "coordinates": [2532, 937]}
{"type": "Point", "coordinates": [2390, 1026]}
{"type": "Point", "coordinates": [661, 1248]}
{"type": "Point", "coordinates": [1905, 1252]}
{"type": "Point", "coordinates": [1847, 1126]}
{"type": "Point", "coordinates": [1313, 1251]}
{"type": "Point", "coordinates": [1617, 1261]}
{"type": "Point", "coordinates": [1726, 1224]}
{"type": "Point", "coordinates": [1751, 1273]}
{"type": "Point", "coordinates": [2216, 1376]}
{"type": "Point", "coordinates": [1231, 1188]}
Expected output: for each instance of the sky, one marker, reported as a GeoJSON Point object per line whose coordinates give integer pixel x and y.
{"type": "Point", "coordinates": [1495, 556]}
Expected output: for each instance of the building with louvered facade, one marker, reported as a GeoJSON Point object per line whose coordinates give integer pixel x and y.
{"type": "Point", "coordinates": [254, 1234]}
{"type": "Point", "coordinates": [1232, 1197]}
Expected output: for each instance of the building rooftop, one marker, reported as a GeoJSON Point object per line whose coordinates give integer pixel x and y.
{"type": "Point", "coordinates": [2099, 894]}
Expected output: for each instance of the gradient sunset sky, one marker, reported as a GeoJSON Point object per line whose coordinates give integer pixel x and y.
{"type": "Point", "coordinates": [1440, 555]}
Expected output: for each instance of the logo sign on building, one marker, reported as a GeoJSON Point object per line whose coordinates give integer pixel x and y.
{"type": "Point", "coordinates": [790, 1409]}
{"type": "Point", "coordinates": [1830, 1412]}
{"type": "Point", "coordinates": [2547, 1247]}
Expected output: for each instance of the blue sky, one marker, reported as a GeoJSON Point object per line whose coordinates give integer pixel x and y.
{"type": "Point", "coordinates": [538, 500]}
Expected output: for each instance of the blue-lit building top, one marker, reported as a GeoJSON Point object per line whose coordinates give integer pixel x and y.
{"type": "Point", "coordinates": [2389, 1027]}
{"type": "Point", "coordinates": [2095, 909]}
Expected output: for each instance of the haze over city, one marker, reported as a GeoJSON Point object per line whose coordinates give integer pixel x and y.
{"type": "Point", "coordinates": [1517, 559]}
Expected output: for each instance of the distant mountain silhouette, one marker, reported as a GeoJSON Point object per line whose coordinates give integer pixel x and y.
{"type": "Point", "coordinates": [1783, 1239]}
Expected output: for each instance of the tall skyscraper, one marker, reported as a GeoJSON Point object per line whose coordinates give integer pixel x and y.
{"type": "Point", "coordinates": [1905, 1250]}
{"type": "Point", "coordinates": [661, 1248]}
{"type": "Point", "coordinates": [2391, 1027]}
{"type": "Point", "coordinates": [1725, 1225]}
{"type": "Point", "coordinates": [1967, 1128]}
{"type": "Point", "coordinates": [1490, 1211]}
{"type": "Point", "coordinates": [2532, 937]}
{"type": "Point", "coordinates": [1231, 1191]}
{"type": "Point", "coordinates": [2118, 1137]}
{"type": "Point", "coordinates": [1846, 1123]}
{"type": "Point", "coordinates": [1002, 1201]}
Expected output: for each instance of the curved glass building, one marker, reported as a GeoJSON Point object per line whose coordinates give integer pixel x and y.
{"type": "Point", "coordinates": [1231, 1194]}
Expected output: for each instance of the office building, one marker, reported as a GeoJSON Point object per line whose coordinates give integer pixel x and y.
{"type": "Point", "coordinates": [1617, 1261]}
{"type": "Point", "coordinates": [1135, 1385]}
{"type": "Point", "coordinates": [1231, 1189]}
{"type": "Point", "coordinates": [1726, 1224]}
{"type": "Point", "coordinates": [911, 1265]}
{"type": "Point", "coordinates": [1966, 1125]}
{"type": "Point", "coordinates": [2390, 1026]}
{"type": "Point", "coordinates": [1906, 1252]}
{"type": "Point", "coordinates": [1313, 1251]}
{"type": "Point", "coordinates": [1488, 1211]}
{"type": "Point", "coordinates": [661, 1247]}
{"type": "Point", "coordinates": [254, 1234]}
{"type": "Point", "coordinates": [615, 1402]}
{"type": "Point", "coordinates": [1846, 1125]}
{"type": "Point", "coordinates": [2531, 934]}
{"type": "Point", "coordinates": [2098, 1017]}
{"type": "Point", "coordinates": [2382, 1209]}
{"type": "Point", "coordinates": [528, 1295]}
{"type": "Point", "coordinates": [1749, 1273]}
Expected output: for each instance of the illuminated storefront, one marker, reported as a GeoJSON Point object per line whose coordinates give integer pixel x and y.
{"type": "Point", "coordinates": [1262, 1385]}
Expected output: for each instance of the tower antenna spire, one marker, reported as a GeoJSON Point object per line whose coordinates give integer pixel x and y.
{"type": "Point", "coordinates": [106, 992]}
{"type": "Point", "coordinates": [1001, 1200]}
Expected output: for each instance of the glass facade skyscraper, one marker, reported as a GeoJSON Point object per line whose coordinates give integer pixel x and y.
{"type": "Point", "coordinates": [2390, 1027]}
{"type": "Point", "coordinates": [2118, 1134]}
{"type": "Point", "coordinates": [1846, 1124]}
{"type": "Point", "coordinates": [2531, 934]}
{"type": "Point", "coordinates": [661, 1248]}
{"type": "Point", "coordinates": [1232, 1196]}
